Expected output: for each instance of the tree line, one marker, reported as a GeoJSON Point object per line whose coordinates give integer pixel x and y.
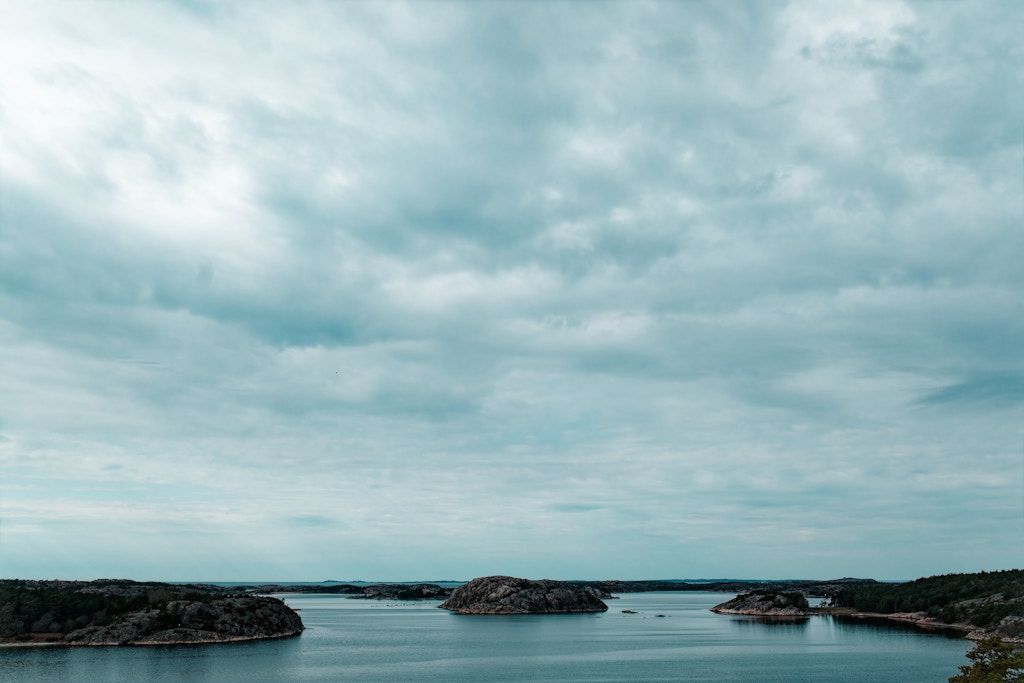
{"type": "Point", "coordinates": [982, 599]}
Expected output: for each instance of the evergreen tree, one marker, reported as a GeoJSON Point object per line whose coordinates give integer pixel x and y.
{"type": "Point", "coordinates": [994, 662]}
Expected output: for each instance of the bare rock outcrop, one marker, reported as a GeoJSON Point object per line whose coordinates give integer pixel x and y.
{"type": "Point", "coordinates": [510, 595]}
{"type": "Point", "coordinates": [766, 604]}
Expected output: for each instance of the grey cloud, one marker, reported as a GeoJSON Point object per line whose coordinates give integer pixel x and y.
{"type": "Point", "coordinates": [312, 521]}
{"type": "Point", "coordinates": [575, 507]}
{"type": "Point", "coordinates": [682, 267]}
{"type": "Point", "coordinates": [980, 392]}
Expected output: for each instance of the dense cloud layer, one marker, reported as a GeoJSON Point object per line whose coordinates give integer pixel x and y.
{"type": "Point", "coordinates": [428, 291]}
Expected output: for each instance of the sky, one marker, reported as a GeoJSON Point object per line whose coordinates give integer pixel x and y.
{"type": "Point", "coordinates": [309, 291]}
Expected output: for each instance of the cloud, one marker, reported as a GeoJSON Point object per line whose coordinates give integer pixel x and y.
{"type": "Point", "coordinates": [707, 274]}
{"type": "Point", "coordinates": [312, 520]}
{"type": "Point", "coordinates": [575, 507]}
{"type": "Point", "coordinates": [984, 392]}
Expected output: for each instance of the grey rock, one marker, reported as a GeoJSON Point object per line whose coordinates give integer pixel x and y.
{"type": "Point", "coordinates": [510, 595]}
{"type": "Point", "coordinates": [767, 604]}
{"type": "Point", "coordinates": [181, 636]}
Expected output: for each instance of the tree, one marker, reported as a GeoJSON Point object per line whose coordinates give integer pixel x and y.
{"type": "Point", "coordinates": [994, 662]}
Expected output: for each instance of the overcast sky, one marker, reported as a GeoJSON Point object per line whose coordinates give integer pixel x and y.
{"type": "Point", "coordinates": [385, 291]}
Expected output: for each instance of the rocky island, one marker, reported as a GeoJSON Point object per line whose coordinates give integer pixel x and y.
{"type": "Point", "coordinates": [118, 612]}
{"type": "Point", "coordinates": [766, 604]}
{"type": "Point", "coordinates": [510, 595]}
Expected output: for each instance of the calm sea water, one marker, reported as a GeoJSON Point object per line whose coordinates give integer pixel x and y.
{"type": "Point", "coordinates": [368, 640]}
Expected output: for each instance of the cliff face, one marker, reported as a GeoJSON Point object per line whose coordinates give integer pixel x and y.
{"type": "Point", "coordinates": [766, 604]}
{"type": "Point", "coordinates": [509, 595]}
{"type": "Point", "coordinates": [128, 613]}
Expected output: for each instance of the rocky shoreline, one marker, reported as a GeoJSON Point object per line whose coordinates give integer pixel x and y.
{"type": "Point", "coordinates": [773, 605]}
{"type": "Point", "coordinates": [230, 640]}
{"type": "Point", "coordinates": [922, 621]}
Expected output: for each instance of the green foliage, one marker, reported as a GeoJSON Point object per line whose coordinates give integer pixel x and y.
{"type": "Point", "coordinates": [53, 607]}
{"type": "Point", "coordinates": [994, 662]}
{"type": "Point", "coordinates": [982, 599]}
{"type": "Point", "coordinates": [27, 607]}
{"type": "Point", "coordinates": [795, 598]}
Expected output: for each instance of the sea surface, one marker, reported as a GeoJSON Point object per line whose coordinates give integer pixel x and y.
{"type": "Point", "coordinates": [348, 639]}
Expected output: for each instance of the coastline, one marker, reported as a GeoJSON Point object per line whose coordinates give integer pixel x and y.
{"type": "Point", "coordinates": [227, 640]}
{"type": "Point", "coordinates": [775, 606]}
{"type": "Point", "coordinates": [919, 619]}
{"type": "Point", "coordinates": [766, 615]}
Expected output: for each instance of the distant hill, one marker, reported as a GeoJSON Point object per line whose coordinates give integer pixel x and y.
{"type": "Point", "coordinates": [442, 589]}
{"type": "Point", "coordinates": [810, 587]}
{"type": "Point", "coordinates": [377, 591]}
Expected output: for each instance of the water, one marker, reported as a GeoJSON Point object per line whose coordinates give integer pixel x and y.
{"type": "Point", "coordinates": [388, 641]}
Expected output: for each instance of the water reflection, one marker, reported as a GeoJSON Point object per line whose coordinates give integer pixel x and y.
{"type": "Point", "coordinates": [192, 661]}
{"type": "Point", "coordinates": [794, 624]}
{"type": "Point", "coordinates": [880, 625]}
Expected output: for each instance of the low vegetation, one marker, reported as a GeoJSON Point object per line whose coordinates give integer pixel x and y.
{"type": "Point", "coordinates": [50, 607]}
